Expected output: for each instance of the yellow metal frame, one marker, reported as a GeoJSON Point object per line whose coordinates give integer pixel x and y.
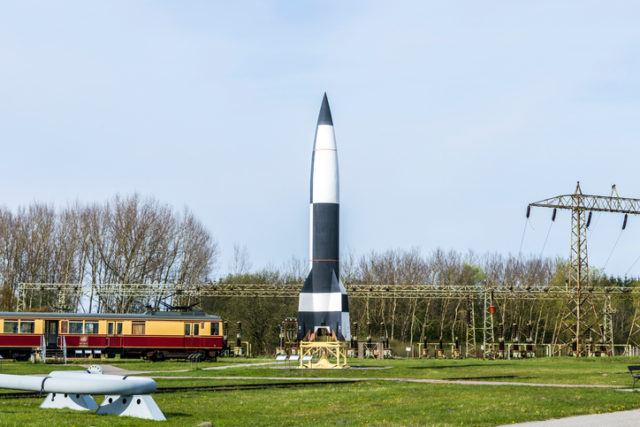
{"type": "Point", "coordinates": [324, 350]}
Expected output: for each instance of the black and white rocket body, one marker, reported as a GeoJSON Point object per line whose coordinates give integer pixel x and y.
{"type": "Point", "coordinates": [323, 300]}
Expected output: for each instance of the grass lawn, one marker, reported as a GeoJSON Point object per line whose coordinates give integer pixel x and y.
{"type": "Point", "coordinates": [602, 371]}
{"type": "Point", "coordinates": [369, 402]}
{"type": "Point", "coordinates": [373, 402]}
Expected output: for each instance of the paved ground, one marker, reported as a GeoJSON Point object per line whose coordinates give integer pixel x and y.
{"type": "Point", "coordinates": [621, 419]}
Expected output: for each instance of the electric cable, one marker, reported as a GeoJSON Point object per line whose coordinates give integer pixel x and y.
{"type": "Point", "coordinates": [632, 265]}
{"type": "Point", "coordinates": [524, 231]}
{"type": "Point", "coordinates": [546, 239]}
{"type": "Point", "coordinates": [612, 249]}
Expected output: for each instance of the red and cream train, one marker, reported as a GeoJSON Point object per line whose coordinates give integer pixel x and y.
{"type": "Point", "coordinates": [155, 336]}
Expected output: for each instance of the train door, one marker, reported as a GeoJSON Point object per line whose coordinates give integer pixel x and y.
{"type": "Point", "coordinates": [188, 339]}
{"type": "Point", "coordinates": [191, 331]}
{"type": "Point", "coordinates": [196, 335]}
{"type": "Point", "coordinates": [114, 334]}
{"type": "Point", "coordinates": [51, 333]}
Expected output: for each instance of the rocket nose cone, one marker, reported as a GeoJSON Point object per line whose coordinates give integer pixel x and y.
{"type": "Point", "coordinates": [324, 118]}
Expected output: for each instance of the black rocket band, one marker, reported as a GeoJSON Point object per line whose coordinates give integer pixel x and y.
{"type": "Point", "coordinates": [323, 306]}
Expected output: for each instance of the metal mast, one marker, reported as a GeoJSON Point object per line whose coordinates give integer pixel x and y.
{"type": "Point", "coordinates": [579, 313]}
{"type": "Point", "coordinates": [488, 338]}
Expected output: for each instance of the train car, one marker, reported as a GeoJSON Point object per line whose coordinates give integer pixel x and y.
{"type": "Point", "coordinates": [155, 336]}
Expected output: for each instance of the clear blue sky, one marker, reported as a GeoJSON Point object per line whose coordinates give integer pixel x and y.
{"type": "Point", "coordinates": [450, 117]}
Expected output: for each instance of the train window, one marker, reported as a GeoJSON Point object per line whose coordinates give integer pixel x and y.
{"type": "Point", "coordinates": [119, 328]}
{"type": "Point", "coordinates": [63, 327]}
{"type": "Point", "coordinates": [10, 326]}
{"type": "Point", "coordinates": [110, 328]}
{"type": "Point", "coordinates": [215, 328]}
{"type": "Point", "coordinates": [26, 326]}
{"type": "Point", "coordinates": [75, 326]}
{"type": "Point", "coordinates": [196, 329]}
{"type": "Point", "coordinates": [187, 328]}
{"type": "Point", "coordinates": [137, 328]}
{"type": "Point", "coordinates": [90, 327]}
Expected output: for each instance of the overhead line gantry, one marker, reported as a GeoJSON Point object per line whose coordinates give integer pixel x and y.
{"type": "Point", "coordinates": [292, 290]}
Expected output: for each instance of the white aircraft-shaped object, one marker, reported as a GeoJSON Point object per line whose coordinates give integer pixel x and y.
{"type": "Point", "coordinates": [124, 395]}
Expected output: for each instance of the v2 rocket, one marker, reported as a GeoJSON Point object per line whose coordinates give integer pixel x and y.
{"type": "Point", "coordinates": [323, 303]}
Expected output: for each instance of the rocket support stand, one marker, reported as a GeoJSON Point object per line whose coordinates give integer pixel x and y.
{"type": "Point", "coordinates": [137, 405]}
{"type": "Point", "coordinates": [324, 350]}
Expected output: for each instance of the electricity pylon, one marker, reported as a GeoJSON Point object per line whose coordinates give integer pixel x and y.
{"type": "Point", "coordinates": [580, 315]}
{"type": "Point", "coordinates": [488, 338]}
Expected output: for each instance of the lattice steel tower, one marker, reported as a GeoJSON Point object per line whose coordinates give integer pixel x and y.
{"type": "Point", "coordinates": [580, 316]}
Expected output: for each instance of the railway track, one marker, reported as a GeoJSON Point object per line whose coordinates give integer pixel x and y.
{"type": "Point", "coordinates": [217, 387]}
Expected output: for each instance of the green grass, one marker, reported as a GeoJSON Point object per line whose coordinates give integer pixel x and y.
{"type": "Point", "coordinates": [24, 368]}
{"type": "Point", "coordinates": [353, 404]}
{"type": "Point", "coordinates": [369, 402]}
{"type": "Point", "coordinates": [603, 371]}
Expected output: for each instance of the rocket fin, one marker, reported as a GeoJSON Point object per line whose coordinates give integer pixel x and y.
{"type": "Point", "coordinates": [336, 286]}
{"type": "Point", "coordinates": [308, 284]}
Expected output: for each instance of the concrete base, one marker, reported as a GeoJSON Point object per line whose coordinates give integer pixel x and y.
{"type": "Point", "coordinates": [139, 406]}
{"type": "Point", "coordinates": [78, 402]}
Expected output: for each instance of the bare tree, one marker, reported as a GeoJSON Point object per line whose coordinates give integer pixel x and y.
{"type": "Point", "coordinates": [126, 240]}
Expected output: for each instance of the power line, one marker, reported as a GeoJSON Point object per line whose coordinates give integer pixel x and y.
{"type": "Point", "coordinates": [624, 225]}
{"type": "Point", "coordinates": [612, 249]}
{"type": "Point", "coordinates": [546, 239]}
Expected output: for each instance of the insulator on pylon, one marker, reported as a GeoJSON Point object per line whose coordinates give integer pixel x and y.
{"type": "Point", "coordinates": [501, 331]}
{"type": "Point", "coordinates": [624, 223]}
{"type": "Point", "coordinates": [589, 219]}
{"type": "Point", "coordinates": [528, 211]}
{"type": "Point", "coordinates": [553, 215]}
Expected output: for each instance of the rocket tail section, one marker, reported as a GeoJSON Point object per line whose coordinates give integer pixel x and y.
{"type": "Point", "coordinates": [325, 309]}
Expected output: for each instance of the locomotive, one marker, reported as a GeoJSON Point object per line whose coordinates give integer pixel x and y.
{"type": "Point", "coordinates": [155, 336]}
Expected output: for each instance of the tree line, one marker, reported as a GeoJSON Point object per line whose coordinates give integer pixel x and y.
{"type": "Point", "coordinates": [411, 320]}
{"type": "Point", "coordinates": [124, 240]}
{"type": "Point", "coordinates": [140, 240]}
